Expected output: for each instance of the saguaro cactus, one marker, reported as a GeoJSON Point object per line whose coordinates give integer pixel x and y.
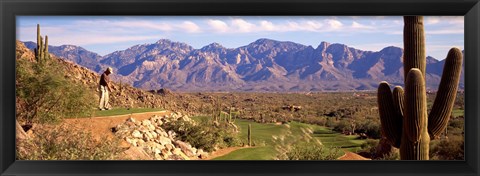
{"type": "Point", "coordinates": [403, 115]}
{"type": "Point", "coordinates": [41, 52]}
{"type": "Point", "coordinates": [249, 135]}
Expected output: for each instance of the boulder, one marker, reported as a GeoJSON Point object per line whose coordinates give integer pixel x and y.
{"type": "Point", "coordinates": [135, 153]}
{"type": "Point", "coordinates": [164, 141]}
{"type": "Point", "coordinates": [147, 136]}
{"type": "Point", "coordinates": [185, 147]}
{"type": "Point", "coordinates": [169, 146]}
{"type": "Point", "coordinates": [136, 134]}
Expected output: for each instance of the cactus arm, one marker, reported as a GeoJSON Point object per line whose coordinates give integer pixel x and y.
{"type": "Point", "coordinates": [447, 92]}
{"type": "Point", "coordinates": [390, 120]}
{"type": "Point", "coordinates": [41, 49]}
{"type": "Point", "coordinates": [418, 150]}
{"type": "Point", "coordinates": [398, 97]}
{"type": "Point", "coordinates": [414, 45]}
{"type": "Point", "coordinates": [46, 47]}
{"type": "Point", "coordinates": [38, 39]}
{"type": "Point", "coordinates": [416, 108]}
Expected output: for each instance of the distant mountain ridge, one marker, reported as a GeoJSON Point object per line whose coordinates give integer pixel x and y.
{"type": "Point", "coordinates": [263, 65]}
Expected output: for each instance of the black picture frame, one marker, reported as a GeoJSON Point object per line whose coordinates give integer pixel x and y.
{"type": "Point", "coordinates": [11, 8]}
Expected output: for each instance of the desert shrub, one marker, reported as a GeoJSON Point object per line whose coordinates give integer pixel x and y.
{"type": "Point", "coordinates": [204, 135]}
{"type": "Point", "coordinates": [370, 146]}
{"type": "Point", "coordinates": [394, 155]}
{"type": "Point", "coordinates": [456, 123]}
{"type": "Point", "coordinates": [342, 126]}
{"type": "Point", "coordinates": [63, 143]}
{"type": "Point", "coordinates": [451, 148]}
{"type": "Point", "coordinates": [44, 95]}
{"type": "Point", "coordinates": [330, 122]}
{"type": "Point", "coordinates": [311, 151]}
{"type": "Point", "coordinates": [303, 148]}
{"type": "Point", "coordinates": [372, 129]}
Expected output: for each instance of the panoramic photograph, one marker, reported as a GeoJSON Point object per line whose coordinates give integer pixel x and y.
{"type": "Point", "coordinates": [240, 88]}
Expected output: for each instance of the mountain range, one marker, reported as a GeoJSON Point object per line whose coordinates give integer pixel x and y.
{"type": "Point", "coordinates": [263, 65]}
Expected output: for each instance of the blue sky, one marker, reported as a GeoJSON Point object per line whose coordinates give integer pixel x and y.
{"type": "Point", "coordinates": [106, 34]}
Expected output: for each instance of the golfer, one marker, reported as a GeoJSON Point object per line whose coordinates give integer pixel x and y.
{"type": "Point", "coordinates": [105, 88]}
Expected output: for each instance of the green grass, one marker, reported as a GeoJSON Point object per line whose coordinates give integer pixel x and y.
{"type": "Point", "coordinates": [257, 153]}
{"type": "Point", "coordinates": [264, 144]}
{"type": "Point", "coordinates": [458, 112]}
{"type": "Point", "coordinates": [123, 111]}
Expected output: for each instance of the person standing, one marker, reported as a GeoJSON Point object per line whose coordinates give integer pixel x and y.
{"type": "Point", "coordinates": [105, 88]}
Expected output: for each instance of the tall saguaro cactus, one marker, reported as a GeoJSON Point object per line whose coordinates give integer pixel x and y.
{"type": "Point", "coordinates": [249, 135]}
{"type": "Point", "coordinates": [403, 114]}
{"type": "Point", "coordinates": [41, 52]}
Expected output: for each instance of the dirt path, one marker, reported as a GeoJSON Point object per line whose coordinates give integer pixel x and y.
{"type": "Point", "coordinates": [102, 126]}
{"type": "Point", "coordinates": [352, 156]}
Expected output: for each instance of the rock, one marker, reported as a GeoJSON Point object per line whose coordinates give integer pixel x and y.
{"type": "Point", "coordinates": [203, 155]}
{"type": "Point", "coordinates": [154, 134]}
{"type": "Point", "coordinates": [131, 120]}
{"type": "Point", "coordinates": [158, 157]}
{"type": "Point", "coordinates": [159, 123]}
{"type": "Point", "coordinates": [158, 131]}
{"type": "Point", "coordinates": [172, 134]}
{"type": "Point", "coordinates": [146, 122]}
{"type": "Point", "coordinates": [169, 146]}
{"type": "Point", "coordinates": [143, 129]}
{"type": "Point", "coordinates": [183, 156]}
{"type": "Point", "coordinates": [185, 147]}
{"type": "Point", "coordinates": [136, 134]}
{"type": "Point", "coordinates": [157, 151]}
{"type": "Point", "coordinates": [166, 153]}
{"type": "Point", "coordinates": [164, 140]}
{"type": "Point", "coordinates": [147, 136]}
{"type": "Point", "coordinates": [135, 153]}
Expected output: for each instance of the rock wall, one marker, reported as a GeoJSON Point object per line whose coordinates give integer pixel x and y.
{"type": "Point", "coordinates": [160, 144]}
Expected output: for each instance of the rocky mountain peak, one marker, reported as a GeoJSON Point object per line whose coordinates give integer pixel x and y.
{"type": "Point", "coordinates": [323, 45]}
{"type": "Point", "coordinates": [258, 66]}
{"type": "Point", "coordinates": [213, 46]}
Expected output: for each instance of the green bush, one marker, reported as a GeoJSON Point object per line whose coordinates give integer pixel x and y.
{"type": "Point", "coordinates": [369, 146]}
{"type": "Point", "coordinates": [62, 143]}
{"type": "Point", "coordinates": [311, 151]}
{"type": "Point", "coordinates": [204, 135]}
{"type": "Point", "coordinates": [305, 147]}
{"type": "Point", "coordinates": [448, 149]}
{"type": "Point", "coordinates": [391, 156]}
{"type": "Point", "coordinates": [44, 95]}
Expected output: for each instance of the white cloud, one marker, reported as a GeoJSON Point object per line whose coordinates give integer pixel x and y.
{"type": "Point", "coordinates": [356, 25]}
{"type": "Point", "coordinates": [190, 27]}
{"type": "Point", "coordinates": [444, 31]}
{"type": "Point", "coordinates": [218, 25]}
{"type": "Point", "coordinates": [432, 20]}
{"type": "Point", "coordinates": [334, 24]}
{"type": "Point", "coordinates": [241, 25]}
{"type": "Point", "coordinates": [267, 25]}
{"type": "Point", "coordinates": [130, 23]}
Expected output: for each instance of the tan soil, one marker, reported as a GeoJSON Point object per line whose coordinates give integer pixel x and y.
{"type": "Point", "coordinates": [352, 156]}
{"type": "Point", "coordinates": [101, 127]}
